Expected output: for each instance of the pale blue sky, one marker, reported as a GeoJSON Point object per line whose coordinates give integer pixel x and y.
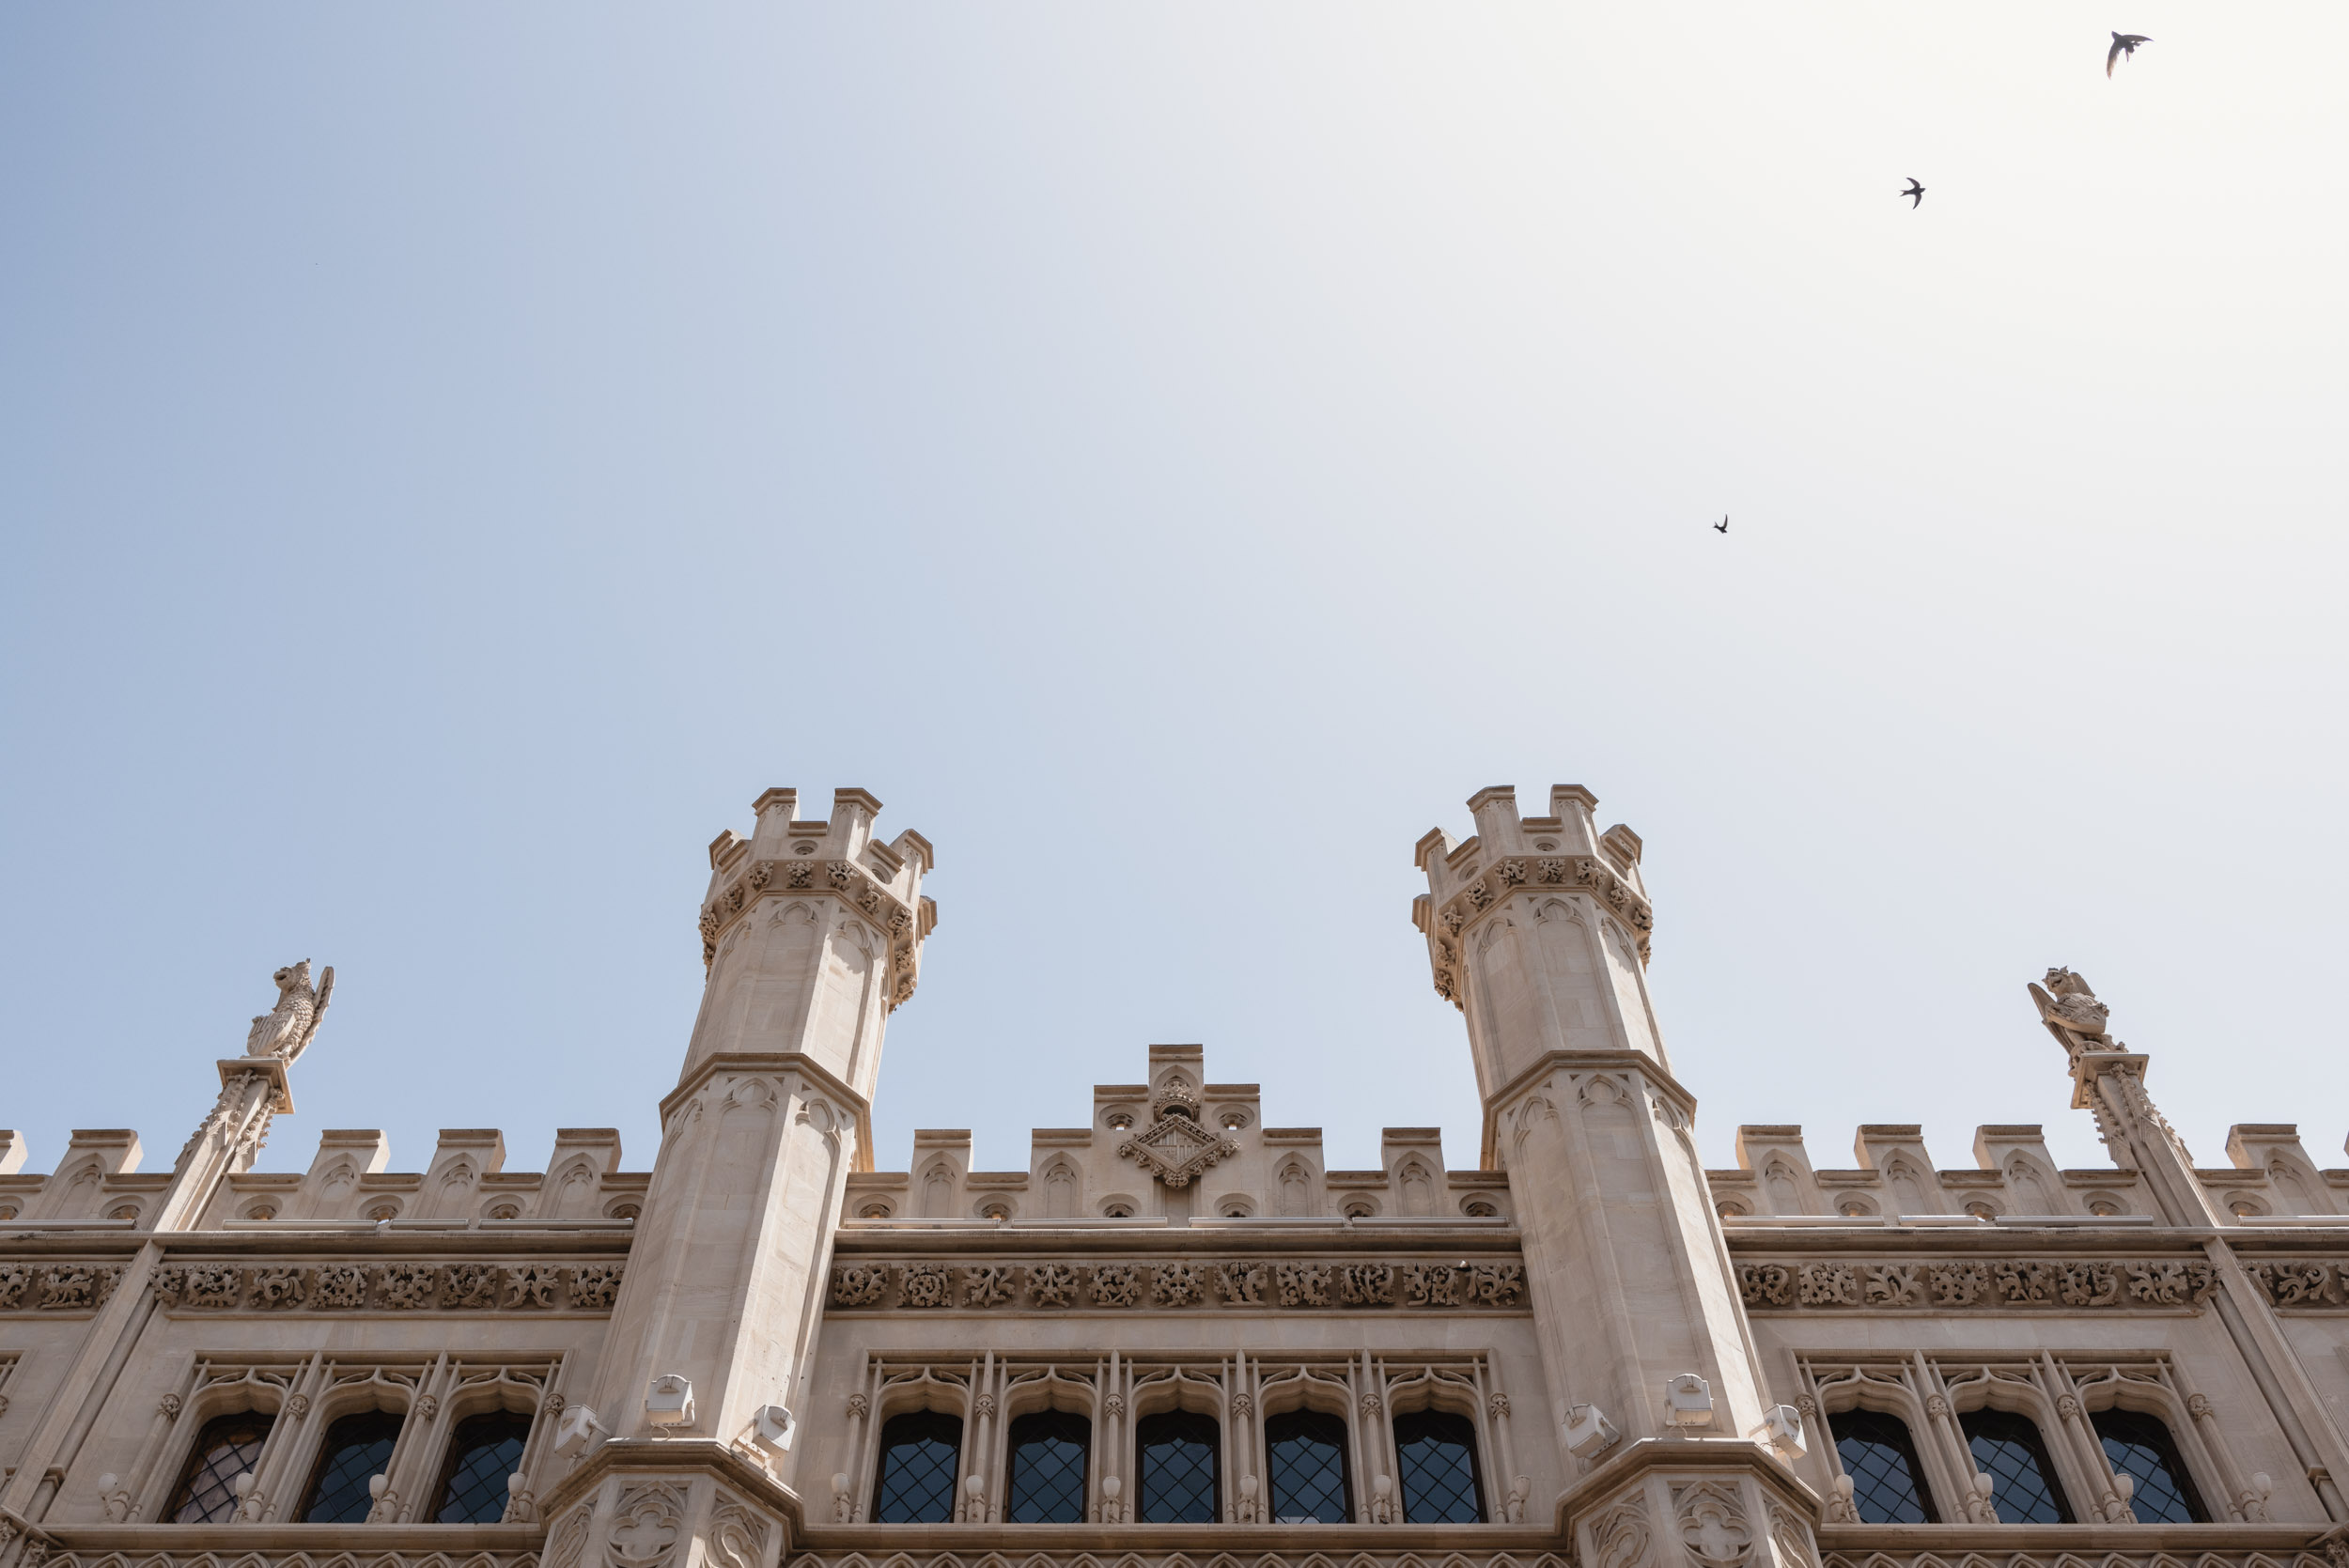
{"type": "Point", "coordinates": [454, 458]}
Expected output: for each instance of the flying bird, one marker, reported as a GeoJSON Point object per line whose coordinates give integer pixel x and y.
{"type": "Point", "coordinates": [2122, 43]}
{"type": "Point", "coordinates": [1722, 526]}
{"type": "Point", "coordinates": [1916, 193]}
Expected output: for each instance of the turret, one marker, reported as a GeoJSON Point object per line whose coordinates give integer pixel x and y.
{"type": "Point", "coordinates": [1537, 930]}
{"type": "Point", "coordinates": [812, 933]}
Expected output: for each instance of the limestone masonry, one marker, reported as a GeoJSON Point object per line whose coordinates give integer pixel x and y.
{"type": "Point", "coordinates": [1176, 1339]}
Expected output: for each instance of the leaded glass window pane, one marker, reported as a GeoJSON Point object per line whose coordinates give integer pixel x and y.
{"type": "Point", "coordinates": [484, 1453]}
{"type": "Point", "coordinates": [228, 1446]}
{"type": "Point", "coordinates": [2008, 1450]}
{"type": "Point", "coordinates": [1888, 1485]}
{"type": "Point", "coordinates": [356, 1447]}
{"type": "Point", "coordinates": [2140, 1446]}
{"type": "Point", "coordinates": [1436, 1451]}
{"type": "Point", "coordinates": [1177, 1468]}
{"type": "Point", "coordinates": [1305, 1452]}
{"type": "Point", "coordinates": [1048, 1469]}
{"type": "Point", "coordinates": [920, 1452]}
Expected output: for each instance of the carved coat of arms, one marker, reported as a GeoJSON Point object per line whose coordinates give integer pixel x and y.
{"type": "Point", "coordinates": [1175, 1147]}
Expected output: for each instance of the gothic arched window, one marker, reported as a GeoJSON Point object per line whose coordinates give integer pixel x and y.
{"type": "Point", "coordinates": [228, 1446]}
{"type": "Point", "coordinates": [2009, 1449]}
{"type": "Point", "coordinates": [1436, 1451]}
{"type": "Point", "coordinates": [1305, 1452]}
{"type": "Point", "coordinates": [2140, 1446]}
{"type": "Point", "coordinates": [1179, 1463]}
{"type": "Point", "coordinates": [920, 1452]}
{"type": "Point", "coordinates": [357, 1446]}
{"type": "Point", "coordinates": [1048, 1469]}
{"type": "Point", "coordinates": [1888, 1485]}
{"type": "Point", "coordinates": [485, 1450]}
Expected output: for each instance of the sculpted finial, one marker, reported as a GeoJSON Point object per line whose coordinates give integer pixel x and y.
{"type": "Point", "coordinates": [286, 1030]}
{"type": "Point", "coordinates": [2073, 1014]}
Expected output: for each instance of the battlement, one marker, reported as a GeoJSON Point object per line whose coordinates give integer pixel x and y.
{"type": "Point", "coordinates": [1894, 1179]}
{"type": "Point", "coordinates": [1179, 1150]}
{"type": "Point", "coordinates": [96, 1182]}
{"type": "Point", "coordinates": [780, 834]}
{"type": "Point", "coordinates": [840, 858]}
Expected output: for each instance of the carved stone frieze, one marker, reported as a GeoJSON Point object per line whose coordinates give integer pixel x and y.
{"type": "Point", "coordinates": [1185, 1286]}
{"type": "Point", "coordinates": [57, 1287]}
{"type": "Point", "coordinates": [2060, 1283]}
{"type": "Point", "coordinates": [1456, 1556]}
{"type": "Point", "coordinates": [399, 1287]}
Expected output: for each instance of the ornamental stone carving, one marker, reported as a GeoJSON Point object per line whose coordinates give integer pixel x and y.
{"type": "Point", "coordinates": [2072, 1013]}
{"type": "Point", "coordinates": [1183, 1285]}
{"type": "Point", "coordinates": [286, 1030]}
{"type": "Point", "coordinates": [1713, 1526]}
{"type": "Point", "coordinates": [1176, 1149]}
{"type": "Point", "coordinates": [1051, 1284]}
{"type": "Point", "coordinates": [645, 1525]}
{"type": "Point", "coordinates": [349, 1287]}
{"type": "Point", "coordinates": [1117, 1284]}
{"type": "Point", "coordinates": [2075, 1283]}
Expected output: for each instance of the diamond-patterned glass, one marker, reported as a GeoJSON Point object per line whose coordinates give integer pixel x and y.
{"type": "Point", "coordinates": [1048, 1469]}
{"type": "Point", "coordinates": [919, 1454]}
{"type": "Point", "coordinates": [228, 1448]}
{"type": "Point", "coordinates": [2140, 1446]}
{"type": "Point", "coordinates": [2006, 1448]}
{"type": "Point", "coordinates": [1436, 1451]}
{"type": "Point", "coordinates": [1306, 1455]}
{"type": "Point", "coordinates": [356, 1447]}
{"type": "Point", "coordinates": [1886, 1483]}
{"type": "Point", "coordinates": [481, 1457]}
{"type": "Point", "coordinates": [1178, 1468]}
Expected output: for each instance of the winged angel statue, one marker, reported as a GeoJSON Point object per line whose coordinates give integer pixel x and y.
{"type": "Point", "coordinates": [2072, 1013]}
{"type": "Point", "coordinates": [286, 1030]}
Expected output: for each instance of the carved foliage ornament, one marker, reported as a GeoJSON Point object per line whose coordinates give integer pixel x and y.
{"type": "Point", "coordinates": [399, 1287]}
{"type": "Point", "coordinates": [1492, 886]}
{"type": "Point", "coordinates": [61, 1288]}
{"type": "Point", "coordinates": [2004, 1282]}
{"type": "Point", "coordinates": [842, 878]}
{"type": "Point", "coordinates": [918, 1286]}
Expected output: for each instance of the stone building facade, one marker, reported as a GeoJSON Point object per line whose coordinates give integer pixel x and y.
{"type": "Point", "coordinates": [1177, 1338]}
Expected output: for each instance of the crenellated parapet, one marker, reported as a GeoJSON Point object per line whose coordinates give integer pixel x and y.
{"type": "Point", "coordinates": [1563, 854]}
{"type": "Point", "coordinates": [838, 859]}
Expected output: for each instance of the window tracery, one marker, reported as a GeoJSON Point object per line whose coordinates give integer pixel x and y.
{"type": "Point", "coordinates": [2042, 1439]}
{"type": "Point", "coordinates": [1230, 1419]}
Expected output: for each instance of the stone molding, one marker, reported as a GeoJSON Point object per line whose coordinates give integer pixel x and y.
{"type": "Point", "coordinates": [397, 1287]}
{"type": "Point", "coordinates": [902, 925]}
{"type": "Point", "coordinates": [1492, 886]}
{"type": "Point", "coordinates": [1300, 1284]}
{"type": "Point", "coordinates": [2035, 1284]}
{"type": "Point", "coordinates": [1203, 1547]}
{"type": "Point", "coordinates": [2132, 1546]}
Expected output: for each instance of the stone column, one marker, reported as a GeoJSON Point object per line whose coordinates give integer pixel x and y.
{"type": "Point", "coordinates": [812, 933]}
{"type": "Point", "coordinates": [1537, 931]}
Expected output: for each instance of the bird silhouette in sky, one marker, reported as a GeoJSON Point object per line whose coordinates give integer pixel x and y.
{"type": "Point", "coordinates": [1722, 526]}
{"type": "Point", "coordinates": [2122, 43]}
{"type": "Point", "coordinates": [1916, 193]}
